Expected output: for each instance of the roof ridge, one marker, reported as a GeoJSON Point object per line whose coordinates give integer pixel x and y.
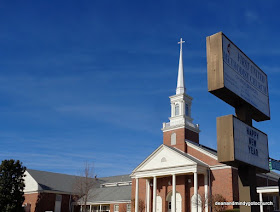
{"type": "Point", "coordinates": [52, 172]}
{"type": "Point", "coordinates": [74, 175]}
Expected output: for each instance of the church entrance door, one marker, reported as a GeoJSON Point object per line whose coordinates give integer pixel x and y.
{"type": "Point", "coordinates": [178, 202]}
{"type": "Point", "coordinates": [159, 204]}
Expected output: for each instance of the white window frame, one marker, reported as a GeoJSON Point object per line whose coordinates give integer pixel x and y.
{"type": "Point", "coordinates": [177, 109]}
{"type": "Point", "coordinates": [128, 208]}
{"type": "Point", "coordinates": [116, 206]}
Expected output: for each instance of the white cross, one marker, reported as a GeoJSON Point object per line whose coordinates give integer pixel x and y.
{"type": "Point", "coordinates": [181, 42]}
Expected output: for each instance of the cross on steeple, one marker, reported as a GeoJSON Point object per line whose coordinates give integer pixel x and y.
{"type": "Point", "coordinates": [181, 42]}
{"type": "Point", "coordinates": [180, 82]}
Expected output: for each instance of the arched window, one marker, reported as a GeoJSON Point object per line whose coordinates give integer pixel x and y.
{"type": "Point", "coordinates": [178, 201]}
{"type": "Point", "coordinates": [187, 110]}
{"type": "Point", "coordinates": [177, 110]}
{"type": "Point", "coordinates": [163, 160]}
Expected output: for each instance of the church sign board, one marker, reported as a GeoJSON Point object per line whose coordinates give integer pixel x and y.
{"type": "Point", "coordinates": [274, 164]}
{"type": "Point", "coordinates": [236, 79]}
{"type": "Point", "coordinates": [239, 143]}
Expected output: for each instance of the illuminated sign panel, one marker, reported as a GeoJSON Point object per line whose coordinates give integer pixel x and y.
{"type": "Point", "coordinates": [234, 78]}
{"type": "Point", "coordinates": [274, 165]}
{"type": "Point", "coordinates": [241, 143]}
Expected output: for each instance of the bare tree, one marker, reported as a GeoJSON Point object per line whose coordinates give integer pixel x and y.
{"type": "Point", "coordinates": [141, 205]}
{"type": "Point", "coordinates": [84, 184]}
{"type": "Point", "coordinates": [218, 198]}
{"type": "Point", "coordinates": [203, 201]}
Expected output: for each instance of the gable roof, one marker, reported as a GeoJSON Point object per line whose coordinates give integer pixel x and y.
{"type": "Point", "coordinates": [56, 182]}
{"type": "Point", "coordinates": [167, 159]}
{"type": "Point", "coordinates": [49, 181]}
{"type": "Point", "coordinates": [110, 194]}
{"type": "Point", "coordinates": [199, 162]}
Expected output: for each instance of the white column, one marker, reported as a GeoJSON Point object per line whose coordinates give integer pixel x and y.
{"type": "Point", "coordinates": [172, 109]}
{"type": "Point", "coordinates": [261, 199]}
{"type": "Point", "coordinates": [89, 208]}
{"type": "Point", "coordinates": [81, 209]}
{"type": "Point", "coordinates": [195, 189]}
{"type": "Point", "coordinates": [99, 208]}
{"type": "Point", "coordinates": [155, 194]}
{"type": "Point", "coordinates": [173, 201]}
{"type": "Point", "coordinates": [206, 192]}
{"type": "Point", "coordinates": [147, 195]}
{"type": "Point", "coordinates": [136, 195]}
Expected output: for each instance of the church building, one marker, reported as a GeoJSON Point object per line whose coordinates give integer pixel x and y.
{"type": "Point", "coordinates": [181, 174]}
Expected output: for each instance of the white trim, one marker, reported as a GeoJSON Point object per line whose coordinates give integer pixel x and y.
{"type": "Point", "coordinates": [268, 189]}
{"type": "Point", "coordinates": [104, 202]}
{"type": "Point", "coordinates": [154, 194]}
{"type": "Point", "coordinates": [202, 150]}
{"type": "Point", "coordinates": [154, 152]}
{"type": "Point", "coordinates": [116, 184]}
{"type": "Point", "coordinates": [168, 170]}
{"type": "Point", "coordinates": [177, 96]}
{"type": "Point", "coordinates": [48, 191]}
{"type": "Point", "coordinates": [31, 192]}
{"type": "Point", "coordinates": [181, 170]}
{"type": "Point", "coordinates": [222, 166]}
{"type": "Point", "coordinates": [176, 127]}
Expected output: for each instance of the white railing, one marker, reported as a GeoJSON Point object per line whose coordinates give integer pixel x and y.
{"type": "Point", "coordinates": [179, 122]}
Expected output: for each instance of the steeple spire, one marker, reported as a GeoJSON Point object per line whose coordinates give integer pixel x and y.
{"type": "Point", "coordinates": [180, 82]}
{"type": "Point", "coordinates": [180, 127]}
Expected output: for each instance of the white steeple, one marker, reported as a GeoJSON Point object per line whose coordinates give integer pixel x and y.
{"type": "Point", "coordinates": [181, 103]}
{"type": "Point", "coordinates": [180, 82]}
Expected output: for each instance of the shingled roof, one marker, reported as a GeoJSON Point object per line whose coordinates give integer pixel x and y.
{"type": "Point", "coordinates": [53, 181]}
{"type": "Point", "coordinates": [109, 194]}
{"type": "Point", "coordinates": [106, 188]}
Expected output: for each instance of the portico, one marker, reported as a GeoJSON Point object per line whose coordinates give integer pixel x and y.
{"type": "Point", "coordinates": [165, 173]}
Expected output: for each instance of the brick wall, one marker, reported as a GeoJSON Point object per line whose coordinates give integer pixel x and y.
{"type": "Point", "coordinates": [31, 199]}
{"type": "Point", "coordinates": [222, 183]}
{"type": "Point", "coordinates": [122, 207]}
{"type": "Point", "coordinates": [180, 138]}
{"type": "Point", "coordinates": [181, 135]}
{"type": "Point", "coordinates": [46, 202]}
{"type": "Point", "coordinates": [141, 194]}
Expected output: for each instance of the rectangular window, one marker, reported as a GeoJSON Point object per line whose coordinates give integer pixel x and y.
{"type": "Point", "coordinates": [105, 208]}
{"type": "Point", "coordinates": [57, 206]}
{"type": "Point", "coordinates": [128, 207]}
{"type": "Point", "coordinates": [116, 208]}
{"type": "Point", "coordinates": [94, 208]}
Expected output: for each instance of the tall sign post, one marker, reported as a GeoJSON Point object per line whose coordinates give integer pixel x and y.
{"type": "Point", "coordinates": [237, 80]}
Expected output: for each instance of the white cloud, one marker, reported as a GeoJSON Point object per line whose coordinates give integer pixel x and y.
{"type": "Point", "coordinates": [251, 16]}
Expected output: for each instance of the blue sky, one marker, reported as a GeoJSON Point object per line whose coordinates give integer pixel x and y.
{"type": "Point", "coordinates": [90, 80]}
